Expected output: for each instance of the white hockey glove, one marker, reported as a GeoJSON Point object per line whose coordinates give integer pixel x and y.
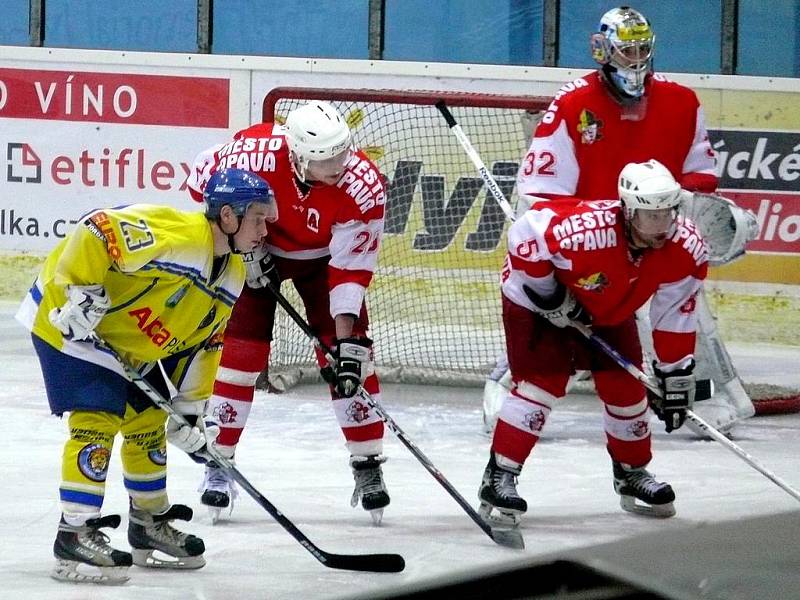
{"type": "Point", "coordinates": [561, 310]}
{"type": "Point", "coordinates": [260, 268]}
{"type": "Point", "coordinates": [85, 307]}
{"type": "Point", "coordinates": [194, 435]}
{"type": "Point", "coordinates": [725, 227]}
{"type": "Point", "coordinates": [352, 364]}
{"type": "Point", "coordinates": [678, 390]}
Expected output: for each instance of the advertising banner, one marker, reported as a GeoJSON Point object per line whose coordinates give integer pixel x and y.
{"type": "Point", "coordinates": [77, 140]}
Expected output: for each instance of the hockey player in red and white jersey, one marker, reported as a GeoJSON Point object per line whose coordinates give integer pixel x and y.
{"type": "Point", "coordinates": [597, 262]}
{"type": "Point", "coordinates": [330, 200]}
{"type": "Point", "coordinates": [622, 113]}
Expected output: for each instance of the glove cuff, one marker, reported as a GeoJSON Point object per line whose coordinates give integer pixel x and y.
{"type": "Point", "coordinates": [362, 341]}
{"type": "Point", "coordinates": [188, 407]}
{"type": "Point", "coordinates": [551, 303]}
{"type": "Point", "coordinates": [671, 372]}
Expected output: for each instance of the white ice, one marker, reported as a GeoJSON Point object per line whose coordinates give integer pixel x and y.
{"type": "Point", "coordinates": [293, 453]}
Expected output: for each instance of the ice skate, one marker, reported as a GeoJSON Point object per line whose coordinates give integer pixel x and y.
{"type": "Point", "coordinates": [83, 554]}
{"type": "Point", "coordinates": [640, 493]}
{"type": "Point", "coordinates": [501, 505]}
{"type": "Point", "coordinates": [149, 534]}
{"type": "Point", "coordinates": [369, 485]}
{"type": "Point", "coordinates": [219, 491]}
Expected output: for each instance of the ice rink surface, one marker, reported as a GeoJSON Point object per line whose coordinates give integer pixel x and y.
{"type": "Point", "coordinates": [293, 453]}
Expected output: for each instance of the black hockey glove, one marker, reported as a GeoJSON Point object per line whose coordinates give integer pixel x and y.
{"type": "Point", "coordinates": [678, 389]}
{"type": "Point", "coordinates": [562, 309]}
{"type": "Point", "coordinates": [352, 360]}
{"type": "Point", "coordinates": [260, 268]}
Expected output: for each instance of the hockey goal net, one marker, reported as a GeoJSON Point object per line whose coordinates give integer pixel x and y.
{"type": "Point", "coordinates": [434, 302]}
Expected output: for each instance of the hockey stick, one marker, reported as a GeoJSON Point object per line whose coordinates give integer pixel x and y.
{"type": "Point", "coordinates": [381, 563]}
{"type": "Point", "coordinates": [694, 418]}
{"type": "Point", "coordinates": [504, 537]}
{"type": "Point", "coordinates": [491, 184]}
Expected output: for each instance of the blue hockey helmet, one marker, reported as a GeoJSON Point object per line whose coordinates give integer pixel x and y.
{"type": "Point", "coordinates": [237, 189]}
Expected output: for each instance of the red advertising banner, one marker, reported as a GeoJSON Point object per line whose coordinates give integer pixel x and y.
{"type": "Point", "coordinates": [114, 98]}
{"type": "Point", "coordinates": [778, 217]}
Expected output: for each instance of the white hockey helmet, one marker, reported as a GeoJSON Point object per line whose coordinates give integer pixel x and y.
{"type": "Point", "coordinates": [623, 45]}
{"type": "Point", "coordinates": [316, 132]}
{"type": "Point", "coordinates": [650, 197]}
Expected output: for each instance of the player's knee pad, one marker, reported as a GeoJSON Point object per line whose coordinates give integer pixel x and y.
{"type": "Point", "coordinates": [627, 423]}
{"type": "Point", "coordinates": [527, 407]}
{"type": "Point", "coordinates": [144, 456]}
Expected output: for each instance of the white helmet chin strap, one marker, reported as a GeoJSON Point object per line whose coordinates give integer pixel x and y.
{"type": "Point", "coordinates": [299, 166]}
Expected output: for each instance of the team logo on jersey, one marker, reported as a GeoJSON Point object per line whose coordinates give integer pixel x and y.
{"type": "Point", "coordinates": [639, 428]}
{"type": "Point", "coordinates": [358, 412]}
{"type": "Point", "coordinates": [225, 413]}
{"type": "Point", "coordinates": [93, 461]}
{"type": "Point", "coordinates": [158, 457]}
{"type": "Point", "coordinates": [312, 220]}
{"type": "Point", "coordinates": [589, 127]}
{"type": "Point", "coordinates": [534, 420]}
{"type": "Point", "coordinates": [596, 282]}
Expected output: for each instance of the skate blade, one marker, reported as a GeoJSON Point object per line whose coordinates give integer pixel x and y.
{"type": "Point", "coordinates": [377, 516]}
{"type": "Point", "coordinates": [74, 572]}
{"type": "Point", "coordinates": [214, 514]}
{"type": "Point", "coordinates": [500, 518]}
{"type": "Point", "coordinates": [658, 511]}
{"type": "Point", "coordinates": [155, 559]}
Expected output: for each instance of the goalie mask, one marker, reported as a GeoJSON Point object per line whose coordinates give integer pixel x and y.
{"type": "Point", "coordinates": [650, 199]}
{"type": "Point", "coordinates": [623, 45]}
{"type": "Point", "coordinates": [319, 142]}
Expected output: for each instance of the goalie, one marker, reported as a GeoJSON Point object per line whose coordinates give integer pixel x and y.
{"type": "Point", "coordinates": [624, 112]}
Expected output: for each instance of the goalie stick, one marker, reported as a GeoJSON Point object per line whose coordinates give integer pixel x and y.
{"type": "Point", "coordinates": [505, 537]}
{"type": "Point", "coordinates": [491, 184]}
{"type": "Point", "coordinates": [690, 415]}
{"type": "Point", "coordinates": [380, 563]}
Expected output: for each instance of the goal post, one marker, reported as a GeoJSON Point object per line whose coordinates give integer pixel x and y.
{"type": "Point", "coordinates": [434, 303]}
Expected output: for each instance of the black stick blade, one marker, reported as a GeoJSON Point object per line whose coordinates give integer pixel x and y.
{"type": "Point", "coordinates": [510, 538]}
{"type": "Point", "coordinates": [378, 563]}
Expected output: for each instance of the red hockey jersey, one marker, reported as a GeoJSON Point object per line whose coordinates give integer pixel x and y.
{"type": "Point", "coordinates": [583, 246]}
{"type": "Point", "coordinates": [585, 138]}
{"type": "Point", "coordinates": [344, 221]}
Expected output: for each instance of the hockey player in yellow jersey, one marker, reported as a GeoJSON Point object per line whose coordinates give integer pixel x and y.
{"type": "Point", "coordinates": [155, 284]}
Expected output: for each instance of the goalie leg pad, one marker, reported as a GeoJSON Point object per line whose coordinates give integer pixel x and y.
{"type": "Point", "coordinates": [730, 401]}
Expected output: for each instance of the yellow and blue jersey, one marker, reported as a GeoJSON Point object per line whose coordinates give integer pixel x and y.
{"type": "Point", "coordinates": [167, 299]}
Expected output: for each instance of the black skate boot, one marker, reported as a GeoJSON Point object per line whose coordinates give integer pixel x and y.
{"type": "Point", "coordinates": [637, 483]}
{"type": "Point", "coordinates": [369, 488]}
{"type": "Point", "coordinates": [219, 491]}
{"type": "Point", "coordinates": [83, 554]}
{"type": "Point", "coordinates": [148, 533]}
{"type": "Point", "coordinates": [498, 492]}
